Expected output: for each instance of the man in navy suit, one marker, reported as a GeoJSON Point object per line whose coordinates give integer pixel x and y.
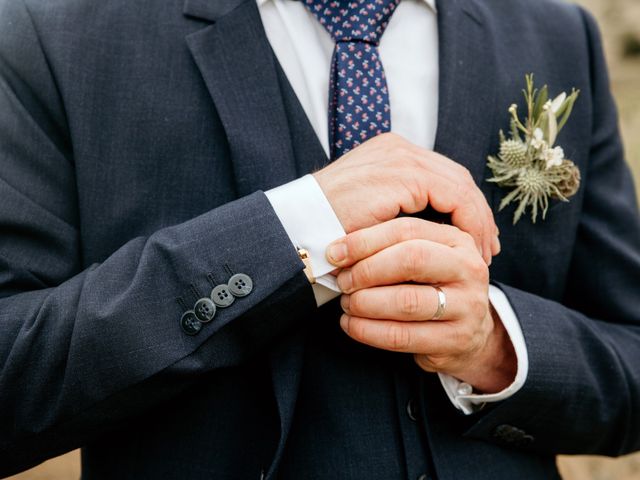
{"type": "Point", "coordinates": [182, 181]}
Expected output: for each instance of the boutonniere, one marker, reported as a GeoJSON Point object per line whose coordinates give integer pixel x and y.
{"type": "Point", "coordinates": [529, 165]}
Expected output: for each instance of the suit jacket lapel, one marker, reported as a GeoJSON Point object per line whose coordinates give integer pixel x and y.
{"type": "Point", "coordinates": [238, 67]}
{"type": "Point", "coordinates": [467, 110]}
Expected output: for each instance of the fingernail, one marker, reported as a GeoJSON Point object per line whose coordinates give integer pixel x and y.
{"type": "Point", "coordinates": [344, 281]}
{"type": "Point", "coordinates": [345, 300]}
{"type": "Point", "coordinates": [337, 252]}
{"type": "Point", "coordinates": [344, 323]}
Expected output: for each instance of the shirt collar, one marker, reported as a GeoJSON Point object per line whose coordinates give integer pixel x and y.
{"type": "Point", "coordinates": [430, 3]}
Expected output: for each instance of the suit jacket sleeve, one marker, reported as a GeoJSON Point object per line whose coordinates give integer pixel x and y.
{"type": "Point", "coordinates": [583, 390]}
{"type": "Point", "coordinates": [81, 349]}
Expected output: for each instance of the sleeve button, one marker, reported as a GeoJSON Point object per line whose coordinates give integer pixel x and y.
{"type": "Point", "coordinates": [221, 296]}
{"type": "Point", "coordinates": [190, 323]}
{"type": "Point", "coordinates": [240, 285]}
{"type": "Point", "coordinates": [205, 310]}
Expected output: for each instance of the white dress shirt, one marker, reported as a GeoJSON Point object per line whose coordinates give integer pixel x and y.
{"type": "Point", "coordinates": [409, 54]}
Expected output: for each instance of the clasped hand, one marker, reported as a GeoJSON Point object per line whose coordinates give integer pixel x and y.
{"type": "Point", "coordinates": [387, 277]}
{"type": "Point", "coordinates": [389, 266]}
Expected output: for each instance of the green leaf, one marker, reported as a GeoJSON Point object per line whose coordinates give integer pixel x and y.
{"type": "Point", "coordinates": [521, 208]}
{"type": "Point", "coordinates": [507, 200]}
{"type": "Point", "coordinates": [552, 128]}
{"type": "Point", "coordinates": [543, 96]}
{"type": "Point", "coordinates": [544, 204]}
{"type": "Point", "coordinates": [534, 212]}
{"type": "Point", "coordinates": [515, 133]}
{"type": "Point", "coordinates": [563, 107]}
{"type": "Point", "coordinates": [571, 100]}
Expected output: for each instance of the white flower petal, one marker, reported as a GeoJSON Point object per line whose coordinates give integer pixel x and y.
{"type": "Point", "coordinates": [553, 157]}
{"type": "Point", "coordinates": [557, 102]}
{"type": "Point", "coordinates": [537, 134]}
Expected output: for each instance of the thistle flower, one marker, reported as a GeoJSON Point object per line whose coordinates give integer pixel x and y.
{"type": "Point", "coordinates": [534, 169]}
{"type": "Point", "coordinates": [514, 153]}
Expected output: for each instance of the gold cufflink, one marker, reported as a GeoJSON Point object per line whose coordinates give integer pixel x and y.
{"type": "Point", "coordinates": [308, 271]}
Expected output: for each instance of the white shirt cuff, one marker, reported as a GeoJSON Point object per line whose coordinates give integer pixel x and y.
{"type": "Point", "coordinates": [460, 393]}
{"type": "Point", "coordinates": [311, 223]}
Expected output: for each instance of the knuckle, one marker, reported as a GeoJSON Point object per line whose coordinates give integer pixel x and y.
{"type": "Point", "coordinates": [476, 268]}
{"type": "Point", "coordinates": [355, 303]}
{"type": "Point", "coordinates": [468, 178]}
{"type": "Point", "coordinates": [405, 162]}
{"type": "Point", "coordinates": [397, 338]}
{"type": "Point", "coordinates": [361, 274]}
{"type": "Point", "coordinates": [414, 259]}
{"type": "Point", "coordinates": [407, 228]}
{"type": "Point", "coordinates": [358, 330]}
{"type": "Point", "coordinates": [465, 238]}
{"type": "Point", "coordinates": [478, 306]}
{"type": "Point", "coordinates": [417, 191]}
{"type": "Point", "coordinates": [480, 270]}
{"type": "Point", "coordinates": [390, 138]}
{"type": "Point", "coordinates": [463, 195]}
{"type": "Point", "coordinates": [409, 301]}
{"type": "Point", "coordinates": [356, 243]}
{"type": "Point", "coordinates": [464, 338]}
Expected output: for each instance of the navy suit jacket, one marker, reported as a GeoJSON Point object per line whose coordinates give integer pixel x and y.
{"type": "Point", "coordinates": [136, 138]}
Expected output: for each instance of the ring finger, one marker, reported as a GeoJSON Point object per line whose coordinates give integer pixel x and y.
{"type": "Point", "coordinates": [403, 302]}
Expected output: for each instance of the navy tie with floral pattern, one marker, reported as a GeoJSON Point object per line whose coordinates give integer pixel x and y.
{"type": "Point", "coordinates": [358, 94]}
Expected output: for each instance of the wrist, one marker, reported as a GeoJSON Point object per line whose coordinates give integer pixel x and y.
{"type": "Point", "coordinates": [496, 365]}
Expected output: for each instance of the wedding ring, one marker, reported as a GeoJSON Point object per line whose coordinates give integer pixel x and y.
{"type": "Point", "coordinates": [442, 304]}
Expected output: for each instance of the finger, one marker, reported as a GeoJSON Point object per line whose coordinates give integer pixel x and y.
{"type": "Point", "coordinates": [467, 211]}
{"type": "Point", "coordinates": [368, 241]}
{"type": "Point", "coordinates": [428, 338]}
{"type": "Point", "coordinates": [495, 246]}
{"type": "Point", "coordinates": [404, 303]}
{"type": "Point", "coordinates": [445, 190]}
{"type": "Point", "coordinates": [421, 261]}
{"type": "Point", "coordinates": [466, 185]}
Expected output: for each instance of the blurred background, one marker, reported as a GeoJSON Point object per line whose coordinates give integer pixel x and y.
{"type": "Point", "coordinates": [620, 24]}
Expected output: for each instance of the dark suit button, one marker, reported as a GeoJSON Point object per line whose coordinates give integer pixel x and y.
{"type": "Point", "coordinates": [240, 285]}
{"type": "Point", "coordinates": [221, 296]}
{"type": "Point", "coordinates": [506, 432]}
{"type": "Point", "coordinates": [190, 323]}
{"type": "Point", "coordinates": [412, 410]}
{"type": "Point", "coordinates": [526, 440]}
{"type": "Point", "coordinates": [205, 310]}
{"type": "Point", "coordinates": [512, 435]}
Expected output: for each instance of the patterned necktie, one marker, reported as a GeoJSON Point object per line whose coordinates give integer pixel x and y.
{"type": "Point", "coordinates": [358, 95]}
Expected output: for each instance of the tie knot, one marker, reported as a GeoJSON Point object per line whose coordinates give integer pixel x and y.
{"type": "Point", "coordinates": [353, 20]}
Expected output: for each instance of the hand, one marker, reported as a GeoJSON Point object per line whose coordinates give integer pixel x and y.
{"type": "Point", "coordinates": [387, 175]}
{"type": "Point", "coordinates": [384, 310]}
